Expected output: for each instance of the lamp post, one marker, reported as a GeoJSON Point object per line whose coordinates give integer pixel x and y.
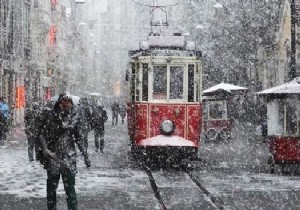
{"type": "Point", "coordinates": [292, 73]}
{"type": "Point", "coordinates": [94, 68]}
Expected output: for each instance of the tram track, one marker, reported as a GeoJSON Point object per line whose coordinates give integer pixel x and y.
{"type": "Point", "coordinates": [157, 190]}
{"type": "Point", "coordinates": [217, 202]}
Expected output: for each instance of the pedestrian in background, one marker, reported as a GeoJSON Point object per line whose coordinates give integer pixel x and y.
{"type": "Point", "coordinates": [115, 112]}
{"type": "Point", "coordinates": [2, 129]}
{"type": "Point", "coordinates": [85, 110]}
{"type": "Point", "coordinates": [5, 111]}
{"type": "Point", "coordinates": [31, 120]}
{"type": "Point", "coordinates": [123, 110]}
{"type": "Point", "coordinates": [264, 131]}
{"type": "Point", "coordinates": [99, 118]}
{"type": "Point", "coordinates": [60, 130]}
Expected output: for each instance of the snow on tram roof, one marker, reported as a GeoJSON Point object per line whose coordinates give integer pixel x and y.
{"type": "Point", "coordinates": [166, 41]}
{"type": "Point", "coordinates": [292, 87]}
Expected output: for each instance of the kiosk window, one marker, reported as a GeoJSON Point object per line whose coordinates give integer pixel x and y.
{"type": "Point", "coordinates": [176, 82]}
{"type": "Point", "coordinates": [159, 82]}
{"type": "Point", "coordinates": [217, 110]}
{"type": "Point", "coordinates": [291, 117]}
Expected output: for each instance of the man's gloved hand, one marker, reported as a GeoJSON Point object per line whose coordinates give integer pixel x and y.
{"type": "Point", "coordinates": [49, 154]}
{"type": "Point", "coordinates": [87, 162]}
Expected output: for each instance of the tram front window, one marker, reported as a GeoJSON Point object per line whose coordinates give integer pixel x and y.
{"type": "Point", "coordinates": [160, 82]}
{"type": "Point", "coordinates": [176, 82]}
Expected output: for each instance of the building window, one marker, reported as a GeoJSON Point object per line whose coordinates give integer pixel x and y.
{"type": "Point", "coordinates": [27, 21]}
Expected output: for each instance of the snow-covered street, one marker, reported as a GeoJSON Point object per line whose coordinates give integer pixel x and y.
{"type": "Point", "coordinates": [115, 182]}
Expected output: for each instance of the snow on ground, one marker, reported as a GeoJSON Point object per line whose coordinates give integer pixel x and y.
{"type": "Point", "coordinates": [250, 182]}
{"type": "Point", "coordinates": [22, 178]}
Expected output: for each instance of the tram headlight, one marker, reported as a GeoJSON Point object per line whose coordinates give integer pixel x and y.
{"type": "Point", "coordinates": [167, 127]}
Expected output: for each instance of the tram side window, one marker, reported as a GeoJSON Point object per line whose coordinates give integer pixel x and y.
{"type": "Point", "coordinates": [176, 82]}
{"type": "Point", "coordinates": [132, 89]}
{"type": "Point", "coordinates": [217, 110]}
{"type": "Point", "coordinates": [159, 82]}
{"type": "Point", "coordinates": [145, 82]}
{"type": "Point", "coordinates": [191, 86]}
{"type": "Point", "coordinates": [137, 85]}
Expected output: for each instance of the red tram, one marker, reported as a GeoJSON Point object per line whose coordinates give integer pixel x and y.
{"type": "Point", "coordinates": [283, 122]}
{"type": "Point", "coordinates": [164, 96]}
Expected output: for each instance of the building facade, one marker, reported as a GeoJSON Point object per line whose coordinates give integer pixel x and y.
{"type": "Point", "coordinates": [15, 52]}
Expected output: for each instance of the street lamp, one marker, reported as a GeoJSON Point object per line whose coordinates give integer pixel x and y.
{"type": "Point", "coordinates": [82, 23]}
{"type": "Point", "coordinates": [218, 6]}
{"type": "Point", "coordinates": [199, 27]}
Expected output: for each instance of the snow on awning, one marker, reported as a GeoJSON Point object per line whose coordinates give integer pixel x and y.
{"type": "Point", "coordinates": [224, 86]}
{"type": "Point", "coordinates": [292, 87]}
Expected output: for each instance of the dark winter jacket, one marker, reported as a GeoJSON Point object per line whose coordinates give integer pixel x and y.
{"type": "Point", "coordinates": [99, 117]}
{"type": "Point", "coordinates": [115, 108]}
{"type": "Point", "coordinates": [31, 119]}
{"type": "Point", "coordinates": [123, 110]}
{"type": "Point", "coordinates": [58, 134]}
{"type": "Point", "coordinates": [85, 115]}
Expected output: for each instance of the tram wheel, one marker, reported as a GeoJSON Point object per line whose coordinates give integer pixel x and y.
{"type": "Point", "coordinates": [211, 134]}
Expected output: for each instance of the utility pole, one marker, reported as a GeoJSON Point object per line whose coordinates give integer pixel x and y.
{"type": "Point", "coordinates": [292, 73]}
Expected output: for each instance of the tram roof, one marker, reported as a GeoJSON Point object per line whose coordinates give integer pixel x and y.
{"type": "Point", "coordinates": [166, 41]}
{"type": "Point", "coordinates": [292, 87]}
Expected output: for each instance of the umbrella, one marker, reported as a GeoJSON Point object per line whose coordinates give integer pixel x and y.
{"type": "Point", "coordinates": [95, 94]}
{"type": "Point", "coordinates": [75, 99]}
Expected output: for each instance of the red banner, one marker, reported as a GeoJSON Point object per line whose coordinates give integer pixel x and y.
{"type": "Point", "coordinates": [20, 97]}
{"type": "Point", "coordinates": [52, 35]}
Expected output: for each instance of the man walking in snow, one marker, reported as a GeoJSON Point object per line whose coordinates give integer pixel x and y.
{"type": "Point", "coordinates": [60, 130]}
{"type": "Point", "coordinates": [123, 110]}
{"type": "Point", "coordinates": [31, 120]}
{"type": "Point", "coordinates": [85, 112]}
{"type": "Point", "coordinates": [99, 118]}
{"type": "Point", "coordinates": [4, 119]}
{"type": "Point", "coordinates": [115, 112]}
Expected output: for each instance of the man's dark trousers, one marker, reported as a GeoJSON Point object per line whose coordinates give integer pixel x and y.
{"type": "Point", "coordinates": [69, 185]}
